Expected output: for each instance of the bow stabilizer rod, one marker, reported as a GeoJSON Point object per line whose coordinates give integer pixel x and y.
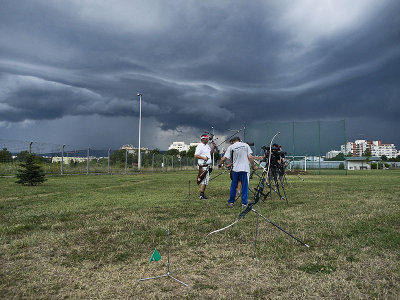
{"type": "Point", "coordinates": [219, 174]}
{"type": "Point", "coordinates": [236, 132]}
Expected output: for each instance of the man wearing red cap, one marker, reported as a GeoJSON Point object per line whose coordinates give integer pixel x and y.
{"type": "Point", "coordinates": [203, 154]}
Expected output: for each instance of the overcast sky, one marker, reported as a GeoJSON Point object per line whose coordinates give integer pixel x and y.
{"type": "Point", "coordinates": [70, 70]}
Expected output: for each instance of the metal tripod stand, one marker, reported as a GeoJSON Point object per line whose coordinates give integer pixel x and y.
{"type": "Point", "coordinates": [168, 274]}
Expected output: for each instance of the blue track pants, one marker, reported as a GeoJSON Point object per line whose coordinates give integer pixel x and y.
{"type": "Point", "coordinates": [242, 176]}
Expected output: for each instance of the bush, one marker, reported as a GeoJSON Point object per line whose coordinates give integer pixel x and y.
{"type": "Point", "coordinates": [30, 173]}
{"type": "Point", "coordinates": [380, 165]}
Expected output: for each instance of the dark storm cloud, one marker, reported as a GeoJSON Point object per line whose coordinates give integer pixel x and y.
{"type": "Point", "coordinates": [199, 63]}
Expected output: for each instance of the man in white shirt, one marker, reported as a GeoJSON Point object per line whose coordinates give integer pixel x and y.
{"type": "Point", "coordinates": [240, 154]}
{"type": "Point", "coordinates": [203, 154]}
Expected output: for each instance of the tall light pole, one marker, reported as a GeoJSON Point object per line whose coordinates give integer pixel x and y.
{"type": "Point", "coordinates": [140, 128]}
{"type": "Point", "coordinates": [212, 127]}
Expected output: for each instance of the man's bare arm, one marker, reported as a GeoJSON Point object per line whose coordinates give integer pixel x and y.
{"type": "Point", "coordinates": [221, 162]}
{"type": "Point", "coordinates": [251, 159]}
{"type": "Point", "coordinates": [201, 157]}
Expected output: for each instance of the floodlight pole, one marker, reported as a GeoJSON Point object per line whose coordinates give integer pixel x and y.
{"type": "Point", "coordinates": [62, 160]}
{"type": "Point", "coordinates": [87, 161]}
{"type": "Point", "coordinates": [108, 161]}
{"type": "Point", "coordinates": [140, 127]}
{"type": "Point", "coordinates": [212, 127]}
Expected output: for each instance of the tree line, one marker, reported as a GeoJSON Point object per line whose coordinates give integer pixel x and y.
{"type": "Point", "coordinates": [7, 157]}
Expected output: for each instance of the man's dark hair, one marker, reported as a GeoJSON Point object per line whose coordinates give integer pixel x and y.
{"type": "Point", "coordinates": [236, 139]}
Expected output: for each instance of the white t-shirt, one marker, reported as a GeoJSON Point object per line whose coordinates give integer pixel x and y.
{"type": "Point", "coordinates": [203, 150]}
{"type": "Point", "coordinates": [240, 157]}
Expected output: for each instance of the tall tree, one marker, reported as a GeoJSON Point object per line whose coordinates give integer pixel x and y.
{"type": "Point", "coordinates": [367, 152]}
{"type": "Point", "coordinates": [5, 156]}
{"type": "Point", "coordinates": [173, 152]}
{"type": "Point", "coordinates": [118, 156]}
{"type": "Point", "coordinates": [338, 157]}
{"type": "Point", "coordinates": [21, 156]}
{"type": "Point", "coordinates": [155, 151]}
{"type": "Point", "coordinates": [191, 151]}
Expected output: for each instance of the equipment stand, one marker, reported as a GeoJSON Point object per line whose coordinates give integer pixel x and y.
{"type": "Point", "coordinates": [168, 274]}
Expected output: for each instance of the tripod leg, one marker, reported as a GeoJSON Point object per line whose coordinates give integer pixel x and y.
{"type": "Point", "coordinates": [284, 193]}
{"type": "Point", "coordinates": [282, 181]}
{"type": "Point", "coordinates": [255, 239]}
{"type": "Point", "coordinates": [277, 226]}
{"type": "Point", "coordinates": [177, 280]}
{"type": "Point", "coordinates": [155, 277]}
{"type": "Point", "coordinates": [276, 183]}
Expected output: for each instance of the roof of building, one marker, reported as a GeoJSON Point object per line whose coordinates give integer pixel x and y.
{"type": "Point", "coordinates": [362, 158]}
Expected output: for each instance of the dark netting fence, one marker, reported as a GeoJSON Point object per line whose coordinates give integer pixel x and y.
{"type": "Point", "coordinates": [306, 143]}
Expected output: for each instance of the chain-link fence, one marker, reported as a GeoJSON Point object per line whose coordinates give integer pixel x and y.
{"type": "Point", "coordinates": [63, 159]}
{"type": "Point", "coordinates": [305, 143]}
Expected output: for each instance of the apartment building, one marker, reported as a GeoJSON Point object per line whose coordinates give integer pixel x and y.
{"type": "Point", "coordinates": [181, 146]}
{"type": "Point", "coordinates": [132, 150]}
{"type": "Point", "coordinates": [377, 148]}
{"type": "Point", "coordinates": [332, 154]}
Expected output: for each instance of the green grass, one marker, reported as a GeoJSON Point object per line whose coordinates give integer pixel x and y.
{"type": "Point", "coordinates": [92, 236]}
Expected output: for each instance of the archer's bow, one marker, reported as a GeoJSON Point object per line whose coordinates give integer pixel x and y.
{"type": "Point", "coordinates": [259, 193]}
{"type": "Point", "coordinates": [215, 144]}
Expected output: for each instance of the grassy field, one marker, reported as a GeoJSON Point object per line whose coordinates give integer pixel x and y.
{"type": "Point", "coordinates": [92, 236]}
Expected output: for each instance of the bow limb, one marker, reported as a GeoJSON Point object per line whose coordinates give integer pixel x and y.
{"type": "Point", "coordinates": [226, 227]}
{"type": "Point", "coordinates": [241, 216]}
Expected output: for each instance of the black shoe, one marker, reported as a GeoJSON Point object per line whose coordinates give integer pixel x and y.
{"type": "Point", "coordinates": [202, 197]}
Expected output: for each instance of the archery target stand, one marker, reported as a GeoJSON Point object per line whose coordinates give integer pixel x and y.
{"type": "Point", "coordinates": [168, 274]}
